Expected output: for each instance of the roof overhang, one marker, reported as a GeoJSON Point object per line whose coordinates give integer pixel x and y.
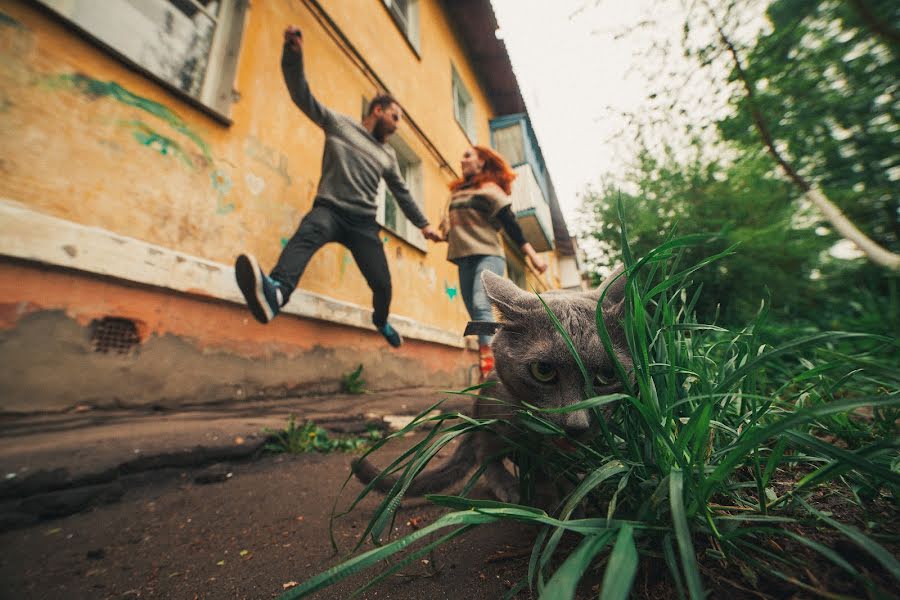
{"type": "Point", "coordinates": [476, 27]}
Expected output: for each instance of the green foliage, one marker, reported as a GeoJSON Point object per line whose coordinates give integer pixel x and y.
{"type": "Point", "coordinates": [352, 382]}
{"type": "Point", "coordinates": [719, 445]}
{"type": "Point", "coordinates": [743, 202]}
{"type": "Point", "coordinates": [309, 437]}
{"type": "Point", "coordinates": [825, 80]}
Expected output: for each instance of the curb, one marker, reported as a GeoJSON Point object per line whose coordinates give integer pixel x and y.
{"type": "Point", "coordinates": [53, 494]}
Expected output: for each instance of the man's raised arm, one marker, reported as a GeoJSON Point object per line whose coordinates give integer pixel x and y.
{"type": "Point", "coordinates": [295, 78]}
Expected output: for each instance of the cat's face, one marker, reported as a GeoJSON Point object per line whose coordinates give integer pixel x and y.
{"type": "Point", "coordinates": [533, 360]}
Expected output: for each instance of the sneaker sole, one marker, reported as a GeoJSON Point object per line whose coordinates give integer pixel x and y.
{"type": "Point", "coordinates": [247, 273]}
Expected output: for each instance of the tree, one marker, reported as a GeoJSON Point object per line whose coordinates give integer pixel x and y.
{"type": "Point", "coordinates": [741, 201]}
{"type": "Point", "coordinates": [820, 92]}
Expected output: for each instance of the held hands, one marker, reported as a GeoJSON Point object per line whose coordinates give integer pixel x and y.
{"type": "Point", "coordinates": [432, 234]}
{"type": "Point", "coordinates": [293, 38]}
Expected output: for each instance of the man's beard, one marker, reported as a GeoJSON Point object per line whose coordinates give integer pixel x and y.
{"type": "Point", "coordinates": [379, 132]}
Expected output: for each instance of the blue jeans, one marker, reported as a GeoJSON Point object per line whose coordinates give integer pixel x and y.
{"type": "Point", "coordinates": [477, 302]}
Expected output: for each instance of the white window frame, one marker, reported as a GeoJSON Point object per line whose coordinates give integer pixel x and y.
{"type": "Point", "coordinates": [97, 21]}
{"type": "Point", "coordinates": [463, 105]}
{"type": "Point", "coordinates": [407, 19]}
{"type": "Point", "coordinates": [411, 169]}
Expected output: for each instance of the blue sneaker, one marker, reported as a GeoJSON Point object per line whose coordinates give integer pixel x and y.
{"type": "Point", "coordinates": [390, 334]}
{"type": "Point", "coordinates": [258, 288]}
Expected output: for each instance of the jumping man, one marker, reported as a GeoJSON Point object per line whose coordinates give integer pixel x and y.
{"type": "Point", "coordinates": [355, 160]}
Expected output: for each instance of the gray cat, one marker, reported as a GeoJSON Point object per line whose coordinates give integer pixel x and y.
{"type": "Point", "coordinates": [533, 364]}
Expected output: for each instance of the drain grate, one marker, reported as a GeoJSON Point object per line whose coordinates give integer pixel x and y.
{"type": "Point", "coordinates": [114, 335]}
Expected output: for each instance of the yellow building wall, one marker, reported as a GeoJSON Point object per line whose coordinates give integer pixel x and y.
{"type": "Point", "coordinates": [88, 140]}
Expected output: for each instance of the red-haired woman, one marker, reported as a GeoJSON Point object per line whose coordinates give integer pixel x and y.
{"type": "Point", "coordinates": [479, 207]}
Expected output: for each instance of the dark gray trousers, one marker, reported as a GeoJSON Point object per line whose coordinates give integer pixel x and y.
{"type": "Point", "coordinates": [360, 235]}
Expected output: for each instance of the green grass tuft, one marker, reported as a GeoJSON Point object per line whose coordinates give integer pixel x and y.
{"type": "Point", "coordinates": [722, 445]}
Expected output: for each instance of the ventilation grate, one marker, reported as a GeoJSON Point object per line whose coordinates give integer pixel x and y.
{"type": "Point", "coordinates": [115, 335]}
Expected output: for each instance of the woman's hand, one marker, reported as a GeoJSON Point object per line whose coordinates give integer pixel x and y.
{"type": "Point", "coordinates": [539, 264]}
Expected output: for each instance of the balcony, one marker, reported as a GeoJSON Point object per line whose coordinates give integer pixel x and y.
{"type": "Point", "coordinates": [531, 209]}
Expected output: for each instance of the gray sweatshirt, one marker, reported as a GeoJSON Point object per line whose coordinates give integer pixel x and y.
{"type": "Point", "coordinates": [353, 162]}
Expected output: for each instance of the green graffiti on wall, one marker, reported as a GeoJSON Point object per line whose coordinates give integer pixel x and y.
{"type": "Point", "coordinates": [450, 290]}
{"type": "Point", "coordinates": [8, 21]}
{"type": "Point", "coordinates": [147, 136]}
{"type": "Point", "coordinates": [94, 88]}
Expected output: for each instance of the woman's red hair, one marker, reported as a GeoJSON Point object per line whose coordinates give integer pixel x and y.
{"type": "Point", "coordinates": [495, 170]}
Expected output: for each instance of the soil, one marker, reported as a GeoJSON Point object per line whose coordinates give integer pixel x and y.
{"type": "Point", "coordinates": [244, 535]}
{"type": "Point", "coordinates": [250, 528]}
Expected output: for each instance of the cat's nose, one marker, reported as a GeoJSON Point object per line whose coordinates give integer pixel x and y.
{"type": "Point", "coordinates": [577, 422]}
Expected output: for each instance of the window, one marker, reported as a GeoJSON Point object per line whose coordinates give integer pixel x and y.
{"type": "Point", "coordinates": [463, 107]}
{"type": "Point", "coordinates": [389, 214]}
{"type": "Point", "coordinates": [188, 45]}
{"type": "Point", "coordinates": [509, 141]}
{"type": "Point", "coordinates": [406, 16]}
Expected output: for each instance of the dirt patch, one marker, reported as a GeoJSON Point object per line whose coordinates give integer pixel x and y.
{"type": "Point", "coordinates": [245, 530]}
{"type": "Point", "coordinates": [266, 525]}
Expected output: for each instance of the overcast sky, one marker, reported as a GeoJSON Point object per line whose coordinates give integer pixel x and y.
{"type": "Point", "coordinates": [577, 78]}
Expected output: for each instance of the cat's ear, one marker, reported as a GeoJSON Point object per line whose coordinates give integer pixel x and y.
{"type": "Point", "coordinates": [507, 298]}
{"type": "Point", "coordinates": [614, 286]}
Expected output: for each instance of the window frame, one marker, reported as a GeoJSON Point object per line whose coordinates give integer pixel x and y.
{"type": "Point", "coordinates": [216, 95]}
{"type": "Point", "coordinates": [457, 85]}
{"type": "Point", "coordinates": [407, 23]}
{"type": "Point", "coordinates": [409, 233]}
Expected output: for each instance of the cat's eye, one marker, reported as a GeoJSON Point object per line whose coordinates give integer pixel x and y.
{"type": "Point", "coordinates": [543, 372]}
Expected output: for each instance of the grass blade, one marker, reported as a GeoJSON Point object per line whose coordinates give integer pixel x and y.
{"type": "Point", "coordinates": [885, 558]}
{"type": "Point", "coordinates": [565, 580]}
{"type": "Point", "coordinates": [622, 567]}
{"type": "Point", "coordinates": [372, 557]}
{"type": "Point", "coordinates": [683, 535]}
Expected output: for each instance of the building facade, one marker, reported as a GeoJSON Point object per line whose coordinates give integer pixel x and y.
{"type": "Point", "coordinates": [146, 144]}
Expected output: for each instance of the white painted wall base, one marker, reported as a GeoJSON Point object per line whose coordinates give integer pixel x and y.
{"type": "Point", "coordinates": [31, 235]}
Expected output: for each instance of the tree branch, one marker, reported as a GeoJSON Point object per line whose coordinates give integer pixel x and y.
{"type": "Point", "coordinates": [875, 24]}
{"type": "Point", "coordinates": [835, 216]}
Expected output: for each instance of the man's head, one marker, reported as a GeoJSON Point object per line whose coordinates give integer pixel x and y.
{"type": "Point", "coordinates": [383, 117]}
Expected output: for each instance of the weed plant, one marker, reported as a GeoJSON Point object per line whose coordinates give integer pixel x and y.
{"type": "Point", "coordinates": [309, 437]}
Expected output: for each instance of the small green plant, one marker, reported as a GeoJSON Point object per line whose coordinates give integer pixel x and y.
{"type": "Point", "coordinates": [352, 382]}
{"type": "Point", "coordinates": [309, 437]}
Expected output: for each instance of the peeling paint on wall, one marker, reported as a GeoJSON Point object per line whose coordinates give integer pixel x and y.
{"type": "Point", "coordinates": [429, 274]}
{"type": "Point", "coordinates": [277, 161]}
{"type": "Point", "coordinates": [255, 183]}
{"type": "Point", "coordinates": [222, 184]}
